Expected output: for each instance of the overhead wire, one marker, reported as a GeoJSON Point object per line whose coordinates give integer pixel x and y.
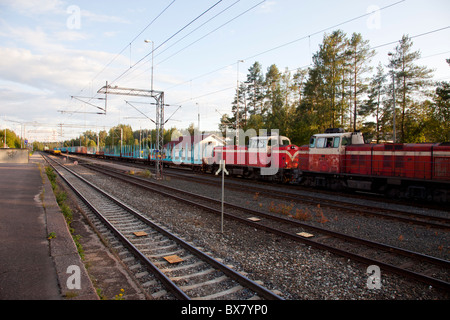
{"type": "Point", "coordinates": [250, 57]}
{"type": "Point", "coordinates": [134, 39]}
{"type": "Point", "coordinates": [167, 40]}
{"type": "Point", "coordinates": [291, 42]}
{"type": "Point", "coordinates": [203, 24]}
{"type": "Point", "coordinates": [126, 47]}
{"type": "Point", "coordinates": [221, 26]}
{"type": "Point", "coordinates": [303, 38]}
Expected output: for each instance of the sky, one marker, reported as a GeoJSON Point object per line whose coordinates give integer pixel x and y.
{"type": "Point", "coordinates": [55, 54]}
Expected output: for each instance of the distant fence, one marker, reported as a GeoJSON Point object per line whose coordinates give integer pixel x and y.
{"type": "Point", "coordinates": [14, 156]}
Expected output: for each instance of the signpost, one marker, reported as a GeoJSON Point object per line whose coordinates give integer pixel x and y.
{"type": "Point", "coordinates": [224, 170]}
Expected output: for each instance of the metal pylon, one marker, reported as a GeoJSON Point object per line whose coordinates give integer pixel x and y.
{"type": "Point", "coordinates": [159, 99]}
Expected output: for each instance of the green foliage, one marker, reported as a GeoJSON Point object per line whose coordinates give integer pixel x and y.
{"type": "Point", "coordinates": [339, 90]}
{"type": "Point", "coordinates": [410, 81]}
{"type": "Point", "coordinates": [12, 140]}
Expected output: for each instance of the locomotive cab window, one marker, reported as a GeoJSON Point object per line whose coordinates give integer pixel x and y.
{"type": "Point", "coordinates": [329, 143]}
{"type": "Point", "coordinates": [262, 144]}
{"type": "Point", "coordinates": [312, 142]}
{"type": "Point", "coordinates": [321, 143]}
{"type": "Point", "coordinates": [346, 141]}
{"type": "Point", "coordinates": [285, 142]}
{"type": "Point", "coordinates": [336, 142]}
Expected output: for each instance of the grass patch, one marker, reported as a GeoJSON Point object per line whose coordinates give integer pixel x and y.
{"type": "Point", "coordinates": [61, 198]}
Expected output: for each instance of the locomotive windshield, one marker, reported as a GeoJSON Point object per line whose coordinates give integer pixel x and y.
{"type": "Point", "coordinates": [263, 142]}
{"type": "Point", "coordinates": [325, 142]}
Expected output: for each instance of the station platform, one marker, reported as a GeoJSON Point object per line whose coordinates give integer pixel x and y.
{"type": "Point", "coordinates": [32, 266]}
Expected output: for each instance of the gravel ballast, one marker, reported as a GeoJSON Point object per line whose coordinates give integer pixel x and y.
{"type": "Point", "coordinates": [296, 271]}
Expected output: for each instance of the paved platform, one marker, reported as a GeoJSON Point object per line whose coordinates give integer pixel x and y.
{"type": "Point", "coordinates": [32, 267]}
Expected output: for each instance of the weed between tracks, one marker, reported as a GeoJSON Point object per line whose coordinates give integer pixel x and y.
{"type": "Point", "coordinates": [300, 214]}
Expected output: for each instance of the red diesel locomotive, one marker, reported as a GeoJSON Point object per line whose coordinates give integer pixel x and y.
{"type": "Point", "coordinates": [341, 160]}
{"type": "Point", "coordinates": [272, 158]}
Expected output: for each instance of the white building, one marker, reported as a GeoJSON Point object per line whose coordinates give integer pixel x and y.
{"type": "Point", "coordinates": [192, 149]}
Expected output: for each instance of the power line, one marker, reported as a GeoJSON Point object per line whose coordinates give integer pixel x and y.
{"type": "Point", "coordinates": [176, 33]}
{"type": "Point", "coordinates": [323, 30]}
{"type": "Point", "coordinates": [293, 41]}
{"type": "Point", "coordinates": [221, 26]}
{"type": "Point", "coordinates": [214, 17]}
{"type": "Point", "coordinates": [416, 36]}
{"type": "Point", "coordinates": [128, 45]}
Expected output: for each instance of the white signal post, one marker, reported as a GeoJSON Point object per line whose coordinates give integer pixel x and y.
{"type": "Point", "coordinates": [224, 170]}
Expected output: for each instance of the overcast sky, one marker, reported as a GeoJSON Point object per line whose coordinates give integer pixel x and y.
{"type": "Point", "coordinates": [51, 50]}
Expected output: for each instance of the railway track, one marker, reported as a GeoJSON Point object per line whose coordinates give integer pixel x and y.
{"type": "Point", "coordinates": [427, 269]}
{"type": "Point", "coordinates": [360, 209]}
{"type": "Point", "coordinates": [184, 270]}
{"type": "Point", "coordinates": [427, 220]}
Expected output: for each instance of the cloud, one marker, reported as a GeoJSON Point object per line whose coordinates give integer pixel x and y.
{"type": "Point", "coordinates": [101, 17]}
{"type": "Point", "coordinates": [34, 87]}
{"type": "Point", "coordinates": [267, 6]}
{"type": "Point", "coordinates": [56, 7]}
{"type": "Point", "coordinates": [70, 36]}
{"type": "Point", "coordinates": [31, 7]}
{"type": "Point", "coordinates": [59, 73]}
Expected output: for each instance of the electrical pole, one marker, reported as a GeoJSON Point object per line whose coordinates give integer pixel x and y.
{"type": "Point", "coordinates": [237, 104]}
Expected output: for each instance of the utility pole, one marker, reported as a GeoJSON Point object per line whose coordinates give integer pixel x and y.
{"type": "Point", "coordinates": [237, 104]}
{"type": "Point", "coordinates": [393, 91]}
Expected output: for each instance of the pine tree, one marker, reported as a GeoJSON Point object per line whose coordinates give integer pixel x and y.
{"type": "Point", "coordinates": [372, 106]}
{"type": "Point", "coordinates": [332, 55]}
{"type": "Point", "coordinates": [360, 55]}
{"type": "Point", "coordinates": [274, 99]}
{"type": "Point", "coordinates": [243, 110]}
{"type": "Point", "coordinates": [410, 79]}
{"type": "Point", "coordinates": [255, 91]}
{"type": "Point", "coordinates": [299, 84]}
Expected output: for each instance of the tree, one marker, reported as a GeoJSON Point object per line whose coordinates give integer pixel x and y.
{"type": "Point", "coordinates": [274, 99]}
{"type": "Point", "coordinates": [372, 106]}
{"type": "Point", "coordinates": [102, 138]}
{"type": "Point", "coordinates": [191, 129]}
{"type": "Point", "coordinates": [360, 56]}
{"type": "Point", "coordinates": [331, 56]}
{"type": "Point", "coordinates": [242, 105]}
{"type": "Point", "coordinates": [311, 112]}
{"type": "Point", "coordinates": [255, 91]}
{"type": "Point", "coordinates": [410, 79]}
{"type": "Point", "coordinates": [12, 140]}
{"type": "Point", "coordinates": [299, 84]}
{"type": "Point", "coordinates": [440, 113]}
{"type": "Point", "coordinates": [323, 91]}
{"type": "Point", "coordinates": [120, 134]}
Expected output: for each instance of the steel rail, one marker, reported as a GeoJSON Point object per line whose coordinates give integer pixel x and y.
{"type": "Point", "coordinates": [161, 276]}
{"type": "Point", "coordinates": [423, 278]}
{"type": "Point", "coordinates": [399, 215]}
{"type": "Point", "coordinates": [261, 291]}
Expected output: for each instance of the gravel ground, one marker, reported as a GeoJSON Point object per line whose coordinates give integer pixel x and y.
{"type": "Point", "coordinates": [298, 271]}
